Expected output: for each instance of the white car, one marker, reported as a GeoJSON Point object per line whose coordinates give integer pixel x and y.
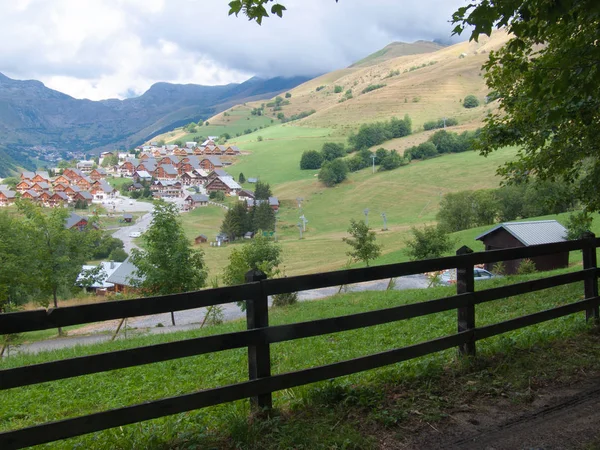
{"type": "Point", "coordinates": [135, 234]}
{"type": "Point", "coordinates": [448, 277]}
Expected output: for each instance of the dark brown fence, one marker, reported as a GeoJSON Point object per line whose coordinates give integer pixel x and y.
{"type": "Point", "coordinates": [259, 335]}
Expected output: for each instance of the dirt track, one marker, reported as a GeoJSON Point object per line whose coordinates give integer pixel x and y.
{"type": "Point", "coordinates": [566, 418]}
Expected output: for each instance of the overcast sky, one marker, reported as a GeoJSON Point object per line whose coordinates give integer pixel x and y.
{"type": "Point", "coordinates": [101, 49]}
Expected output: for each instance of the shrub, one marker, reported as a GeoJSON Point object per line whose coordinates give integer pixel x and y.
{"type": "Point", "coordinates": [428, 242]}
{"type": "Point", "coordinates": [432, 125]}
{"type": "Point", "coordinates": [311, 159]}
{"type": "Point", "coordinates": [320, 88]}
{"type": "Point", "coordinates": [372, 87]}
{"type": "Point", "coordinates": [373, 134]}
{"type": "Point", "coordinates": [333, 172]}
{"type": "Point", "coordinates": [285, 299]}
{"type": "Point", "coordinates": [499, 268]}
{"type": "Point", "coordinates": [393, 161]}
{"type": "Point", "coordinates": [526, 267]}
{"type": "Point", "coordinates": [331, 151]}
{"type": "Point", "coordinates": [288, 95]}
{"type": "Point", "coordinates": [337, 89]}
{"type": "Point", "coordinates": [259, 138]}
{"type": "Point", "coordinates": [302, 115]}
{"type": "Point", "coordinates": [118, 255]}
{"type": "Point", "coordinates": [577, 224]}
{"type": "Point", "coordinates": [470, 101]}
{"type": "Point", "coordinates": [422, 151]}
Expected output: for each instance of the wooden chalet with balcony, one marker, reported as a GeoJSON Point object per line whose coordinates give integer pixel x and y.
{"type": "Point", "coordinates": [7, 197]}
{"type": "Point", "coordinates": [97, 174]}
{"type": "Point", "coordinates": [166, 172]}
{"type": "Point", "coordinates": [227, 185]}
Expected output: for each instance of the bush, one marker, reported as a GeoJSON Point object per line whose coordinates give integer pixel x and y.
{"type": "Point", "coordinates": [259, 138]}
{"type": "Point", "coordinates": [217, 196]}
{"type": "Point", "coordinates": [285, 299]}
{"type": "Point", "coordinates": [432, 125]}
{"type": "Point", "coordinates": [376, 133]}
{"type": "Point", "coordinates": [577, 224]}
{"type": "Point", "coordinates": [428, 242]}
{"type": "Point", "coordinates": [372, 87]}
{"type": "Point", "coordinates": [302, 115]}
{"type": "Point", "coordinates": [331, 151]}
{"type": "Point", "coordinates": [470, 101]}
{"type": "Point", "coordinates": [311, 159]}
{"type": "Point", "coordinates": [333, 172]}
{"type": "Point", "coordinates": [393, 161]}
{"type": "Point", "coordinates": [320, 88]}
{"type": "Point", "coordinates": [118, 255]}
{"type": "Point", "coordinates": [288, 95]}
{"type": "Point", "coordinates": [526, 267]}
{"type": "Point", "coordinates": [422, 151]}
{"type": "Point", "coordinates": [337, 89]}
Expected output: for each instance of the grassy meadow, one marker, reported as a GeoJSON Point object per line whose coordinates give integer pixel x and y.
{"type": "Point", "coordinates": [226, 426]}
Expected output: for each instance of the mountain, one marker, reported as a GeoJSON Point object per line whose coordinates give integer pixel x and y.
{"type": "Point", "coordinates": [34, 117]}
{"type": "Point", "coordinates": [396, 49]}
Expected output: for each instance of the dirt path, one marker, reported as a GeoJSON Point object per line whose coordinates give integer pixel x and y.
{"type": "Point", "coordinates": [559, 418]}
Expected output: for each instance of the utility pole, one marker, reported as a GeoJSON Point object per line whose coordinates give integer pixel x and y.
{"type": "Point", "coordinates": [444, 123]}
{"type": "Point", "coordinates": [373, 156]}
{"type": "Point", "coordinates": [299, 200]}
{"type": "Point", "coordinates": [304, 222]}
{"type": "Point", "coordinates": [299, 225]}
{"type": "Point", "coordinates": [366, 211]}
{"type": "Point", "coordinates": [384, 221]}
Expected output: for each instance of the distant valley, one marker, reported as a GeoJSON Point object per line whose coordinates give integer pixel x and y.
{"type": "Point", "coordinates": [35, 119]}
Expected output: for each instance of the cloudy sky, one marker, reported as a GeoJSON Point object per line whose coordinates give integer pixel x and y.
{"type": "Point", "coordinates": [100, 49]}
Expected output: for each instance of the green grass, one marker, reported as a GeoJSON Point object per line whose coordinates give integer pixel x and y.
{"type": "Point", "coordinates": [215, 426]}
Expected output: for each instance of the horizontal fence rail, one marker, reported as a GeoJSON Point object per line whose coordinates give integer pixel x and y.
{"type": "Point", "coordinates": [259, 335]}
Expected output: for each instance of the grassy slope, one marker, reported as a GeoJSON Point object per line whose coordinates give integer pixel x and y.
{"type": "Point", "coordinates": [22, 407]}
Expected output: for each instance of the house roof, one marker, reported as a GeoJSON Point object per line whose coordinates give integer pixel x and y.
{"type": "Point", "coordinates": [124, 274]}
{"type": "Point", "coordinates": [531, 233]}
{"type": "Point", "coordinates": [230, 182]}
{"type": "Point", "coordinates": [246, 193]}
{"type": "Point", "coordinates": [169, 169]}
{"type": "Point", "coordinates": [32, 193]}
{"type": "Point", "coordinates": [203, 236]}
{"type": "Point", "coordinates": [73, 219]}
{"type": "Point", "coordinates": [62, 195]}
{"type": "Point", "coordinates": [85, 194]}
{"type": "Point", "coordinates": [43, 174]}
{"type": "Point", "coordinates": [142, 174]}
{"type": "Point", "coordinates": [197, 198]}
{"type": "Point", "coordinates": [8, 193]}
{"type": "Point", "coordinates": [215, 160]}
{"type": "Point", "coordinates": [28, 174]}
{"type": "Point", "coordinates": [127, 216]}
{"type": "Point", "coordinates": [108, 267]}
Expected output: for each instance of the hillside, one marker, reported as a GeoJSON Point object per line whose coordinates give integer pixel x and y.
{"type": "Point", "coordinates": [34, 117]}
{"type": "Point", "coordinates": [396, 49]}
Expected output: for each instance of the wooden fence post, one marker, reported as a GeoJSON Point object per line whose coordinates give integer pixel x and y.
{"type": "Point", "coordinates": [591, 282]}
{"type": "Point", "coordinates": [465, 282]}
{"type": "Point", "coordinates": [259, 356]}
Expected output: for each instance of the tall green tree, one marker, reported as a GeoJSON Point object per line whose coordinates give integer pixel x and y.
{"type": "Point", "coordinates": [168, 264]}
{"type": "Point", "coordinates": [262, 190]}
{"type": "Point", "coordinates": [235, 223]}
{"type": "Point", "coordinates": [362, 240]}
{"type": "Point", "coordinates": [58, 253]}
{"type": "Point", "coordinates": [547, 81]}
{"type": "Point", "coordinates": [428, 242]}
{"type": "Point", "coordinates": [263, 217]}
{"type": "Point", "coordinates": [15, 253]}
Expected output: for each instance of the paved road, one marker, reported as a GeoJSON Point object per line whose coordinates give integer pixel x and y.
{"type": "Point", "coordinates": [141, 225]}
{"type": "Point", "coordinates": [192, 318]}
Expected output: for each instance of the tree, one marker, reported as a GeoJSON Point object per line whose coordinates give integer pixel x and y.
{"type": "Point", "coordinates": [259, 254]}
{"type": "Point", "coordinates": [58, 253]}
{"type": "Point", "coordinates": [392, 161]}
{"type": "Point", "coordinates": [235, 222]}
{"type": "Point", "coordinates": [111, 160]}
{"type": "Point", "coordinates": [337, 89]}
{"type": "Point", "coordinates": [288, 95]}
{"type": "Point", "coordinates": [15, 248]}
{"type": "Point", "coordinates": [428, 242]}
{"type": "Point", "coordinates": [118, 255]}
{"type": "Point", "coordinates": [263, 217]}
{"type": "Point", "coordinates": [242, 178]}
{"type": "Point", "coordinates": [167, 264]}
{"type": "Point", "coordinates": [331, 151]}
{"type": "Point", "coordinates": [577, 224]}
{"type": "Point", "coordinates": [362, 241]}
{"type": "Point", "coordinates": [262, 191]}
{"type": "Point", "coordinates": [311, 159]}
{"type": "Point", "coordinates": [333, 172]}
{"type": "Point", "coordinates": [456, 211]}
{"type": "Point", "coordinates": [11, 182]}
{"type": "Point", "coordinates": [548, 89]}
{"type": "Point", "coordinates": [471, 101]}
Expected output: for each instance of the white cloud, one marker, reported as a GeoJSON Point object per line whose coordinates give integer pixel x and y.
{"type": "Point", "coordinates": [112, 48]}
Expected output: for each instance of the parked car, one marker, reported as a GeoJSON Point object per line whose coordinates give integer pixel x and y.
{"type": "Point", "coordinates": [135, 234]}
{"type": "Point", "coordinates": [448, 277]}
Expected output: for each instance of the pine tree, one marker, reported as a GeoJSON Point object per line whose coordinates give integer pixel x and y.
{"type": "Point", "coordinates": [264, 217]}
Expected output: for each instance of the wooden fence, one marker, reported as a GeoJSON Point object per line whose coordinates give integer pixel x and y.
{"type": "Point", "coordinates": [259, 335]}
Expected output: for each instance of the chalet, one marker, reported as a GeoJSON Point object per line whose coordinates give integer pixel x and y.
{"type": "Point", "coordinates": [23, 186]}
{"type": "Point", "coordinates": [166, 188]}
{"type": "Point", "coordinates": [217, 173]}
{"type": "Point", "coordinates": [194, 178]}
{"type": "Point", "coordinates": [44, 197]}
{"type": "Point", "coordinates": [85, 166]}
{"type": "Point", "coordinates": [524, 234]}
{"type": "Point", "coordinates": [84, 183]}
{"type": "Point", "coordinates": [83, 196]}
{"type": "Point", "coordinates": [75, 221]}
{"type": "Point", "coordinates": [141, 175]}
{"type": "Point", "coordinates": [245, 194]}
{"type": "Point", "coordinates": [62, 179]}
{"type": "Point", "coordinates": [211, 163]}
{"type": "Point", "coordinates": [201, 239]}
{"type": "Point", "coordinates": [30, 195]}
{"type": "Point", "coordinates": [124, 277]}
{"type": "Point", "coordinates": [273, 203]}
{"type": "Point", "coordinates": [59, 187]}
{"type": "Point", "coordinates": [7, 197]}
{"type": "Point", "coordinates": [58, 199]}
{"type": "Point", "coordinates": [41, 177]}
{"type": "Point", "coordinates": [73, 174]}
{"type": "Point", "coordinates": [145, 156]}
{"type": "Point", "coordinates": [40, 186]}
{"type": "Point", "coordinates": [232, 150]}
{"type": "Point", "coordinates": [148, 165]}
{"type": "Point", "coordinates": [208, 142]}
{"type": "Point", "coordinates": [127, 218]}
{"type": "Point", "coordinates": [169, 160]}
{"type": "Point", "coordinates": [196, 200]}
{"type": "Point", "coordinates": [98, 174]}
{"type": "Point", "coordinates": [27, 176]}
{"type": "Point", "coordinates": [136, 187]}
{"type": "Point", "coordinates": [102, 190]}
{"type": "Point", "coordinates": [180, 152]}
{"type": "Point", "coordinates": [189, 166]}
{"type": "Point", "coordinates": [199, 151]}
{"type": "Point", "coordinates": [72, 191]}
{"type": "Point", "coordinates": [129, 166]}
{"type": "Point", "coordinates": [166, 172]}
{"type": "Point", "coordinates": [100, 285]}
{"type": "Point", "coordinates": [225, 184]}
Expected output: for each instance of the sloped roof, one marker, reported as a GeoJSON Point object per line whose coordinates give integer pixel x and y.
{"type": "Point", "coordinates": [108, 267]}
{"type": "Point", "coordinates": [73, 219]}
{"type": "Point", "coordinates": [532, 233]}
{"type": "Point", "coordinates": [230, 182]}
{"type": "Point", "coordinates": [124, 274]}
{"type": "Point", "coordinates": [197, 198]}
